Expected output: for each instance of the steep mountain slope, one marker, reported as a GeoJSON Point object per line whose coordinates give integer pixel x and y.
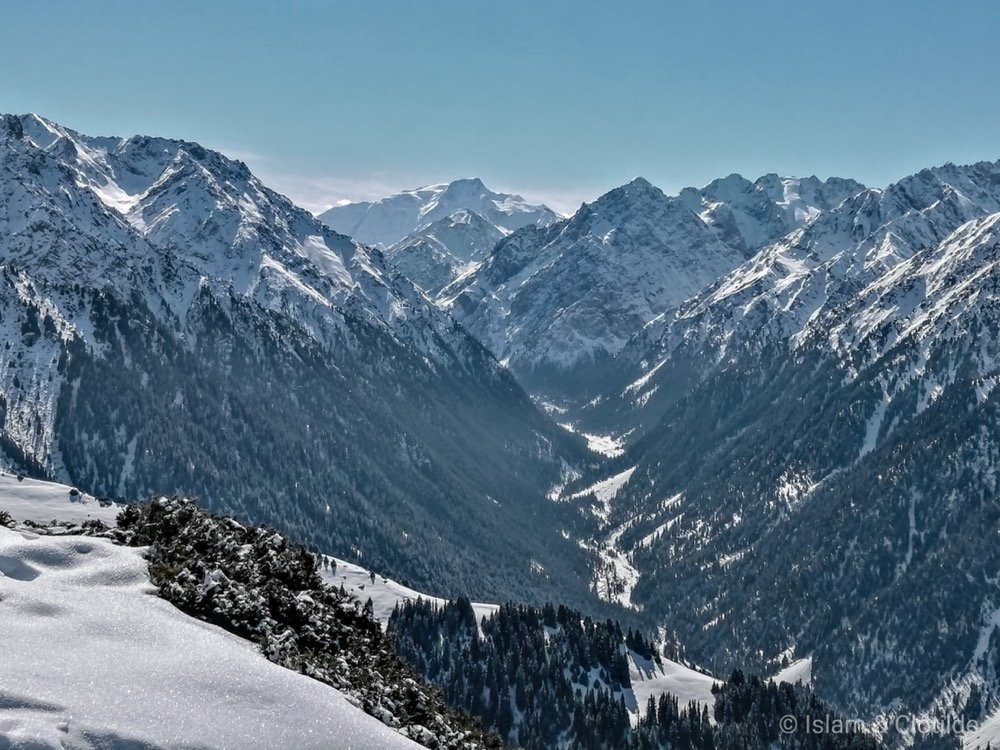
{"type": "Point", "coordinates": [748, 215]}
{"type": "Point", "coordinates": [790, 284]}
{"type": "Point", "coordinates": [556, 300]}
{"type": "Point", "coordinates": [385, 222]}
{"type": "Point", "coordinates": [437, 254]}
{"type": "Point", "coordinates": [556, 305]}
{"type": "Point", "coordinates": [821, 471]}
{"type": "Point", "coordinates": [172, 325]}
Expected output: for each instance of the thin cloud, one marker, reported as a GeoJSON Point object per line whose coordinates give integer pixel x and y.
{"type": "Point", "coordinates": [317, 194]}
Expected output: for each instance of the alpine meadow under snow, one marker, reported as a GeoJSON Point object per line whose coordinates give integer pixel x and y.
{"type": "Point", "coordinates": [447, 469]}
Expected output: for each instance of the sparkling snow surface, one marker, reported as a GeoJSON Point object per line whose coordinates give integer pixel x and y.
{"type": "Point", "coordinates": [93, 659]}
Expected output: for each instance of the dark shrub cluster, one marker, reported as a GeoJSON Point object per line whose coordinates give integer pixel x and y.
{"type": "Point", "coordinates": [254, 582]}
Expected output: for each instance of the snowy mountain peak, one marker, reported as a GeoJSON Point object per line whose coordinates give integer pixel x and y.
{"type": "Point", "coordinates": [732, 187]}
{"type": "Point", "coordinates": [573, 294]}
{"type": "Point", "coordinates": [801, 287]}
{"type": "Point", "coordinates": [640, 184]}
{"type": "Point", "coordinates": [435, 255]}
{"type": "Point", "coordinates": [467, 188]}
{"type": "Point", "coordinates": [550, 299]}
{"type": "Point", "coordinates": [748, 215]}
{"type": "Point", "coordinates": [168, 217]}
{"type": "Point", "coordinates": [636, 191]}
{"type": "Point", "coordinates": [387, 221]}
{"type": "Point", "coordinates": [461, 195]}
{"type": "Point", "coordinates": [635, 201]}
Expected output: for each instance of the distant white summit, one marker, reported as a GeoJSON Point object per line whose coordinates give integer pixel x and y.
{"type": "Point", "coordinates": [385, 222]}
{"type": "Point", "coordinates": [437, 233]}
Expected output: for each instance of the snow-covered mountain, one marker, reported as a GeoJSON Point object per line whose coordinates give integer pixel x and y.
{"type": "Point", "coordinates": [435, 234]}
{"type": "Point", "coordinates": [748, 215]}
{"type": "Point", "coordinates": [819, 465]}
{"type": "Point", "coordinates": [549, 299]}
{"type": "Point", "coordinates": [210, 221]}
{"type": "Point", "coordinates": [173, 325]}
{"type": "Point", "coordinates": [801, 287]}
{"type": "Point", "coordinates": [385, 222]}
{"type": "Point", "coordinates": [437, 254]}
{"type": "Point", "coordinates": [807, 371]}
{"type": "Point", "coordinates": [558, 304]}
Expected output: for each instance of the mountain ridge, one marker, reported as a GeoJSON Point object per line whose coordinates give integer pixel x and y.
{"type": "Point", "coordinates": [201, 334]}
{"type": "Point", "coordinates": [836, 397]}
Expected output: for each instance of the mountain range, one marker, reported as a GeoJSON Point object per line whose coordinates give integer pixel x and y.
{"type": "Point", "coordinates": [834, 492]}
{"type": "Point", "coordinates": [797, 379]}
{"type": "Point", "coordinates": [803, 372]}
{"type": "Point", "coordinates": [172, 325]}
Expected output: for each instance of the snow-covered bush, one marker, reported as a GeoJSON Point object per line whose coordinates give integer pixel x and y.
{"type": "Point", "coordinates": [254, 582]}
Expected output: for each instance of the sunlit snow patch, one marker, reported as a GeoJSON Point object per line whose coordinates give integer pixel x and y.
{"type": "Point", "coordinates": [606, 445]}
{"type": "Point", "coordinates": [799, 670]}
{"type": "Point", "coordinates": [651, 679]}
{"type": "Point", "coordinates": [44, 502]}
{"type": "Point", "coordinates": [606, 490]}
{"type": "Point", "coordinates": [385, 593]}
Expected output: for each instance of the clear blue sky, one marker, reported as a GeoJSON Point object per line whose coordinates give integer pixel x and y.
{"type": "Point", "coordinates": [558, 100]}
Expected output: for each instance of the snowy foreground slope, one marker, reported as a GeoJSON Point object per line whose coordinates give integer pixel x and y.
{"type": "Point", "coordinates": [125, 663]}
{"type": "Point", "coordinates": [986, 735]}
{"type": "Point", "coordinates": [42, 502]}
{"type": "Point", "coordinates": [93, 658]}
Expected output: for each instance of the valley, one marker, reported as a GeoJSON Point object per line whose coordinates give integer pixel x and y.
{"type": "Point", "coordinates": [755, 421]}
